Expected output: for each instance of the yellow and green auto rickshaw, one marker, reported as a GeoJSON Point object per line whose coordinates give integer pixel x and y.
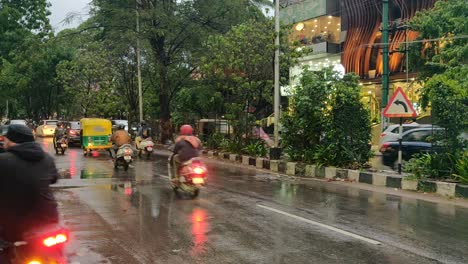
{"type": "Point", "coordinates": [95, 134]}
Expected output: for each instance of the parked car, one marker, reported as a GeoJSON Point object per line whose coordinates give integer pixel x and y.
{"type": "Point", "coordinates": [3, 131]}
{"type": "Point", "coordinates": [17, 122]}
{"type": "Point", "coordinates": [73, 129]}
{"type": "Point", "coordinates": [416, 140]}
{"type": "Point", "coordinates": [46, 128]}
{"type": "Point", "coordinates": [392, 131]}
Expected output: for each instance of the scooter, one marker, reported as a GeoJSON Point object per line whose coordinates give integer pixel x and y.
{"type": "Point", "coordinates": [61, 146]}
{"type": "Point", "coordinates": [124, 157]}
{"type": "Point", "coordinates": [43, 245]}
{"type": "Point", "coordinates": [190, 178]}
{"type": "Point", "coordinates": [145, 147]}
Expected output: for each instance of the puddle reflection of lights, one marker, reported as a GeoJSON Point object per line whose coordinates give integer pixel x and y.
{"type": "Point", "coordinates": [199, 229]}
{"type": "Point", "coordinates": [72, 159]}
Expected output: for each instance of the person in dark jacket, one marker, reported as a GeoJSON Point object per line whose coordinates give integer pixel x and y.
{"type": "Point", "coordinates": [186, 148]}
{"type": "Point", "coordinates": [26, 201]}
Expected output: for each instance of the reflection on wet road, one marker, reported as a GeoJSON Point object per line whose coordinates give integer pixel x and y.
{"type": "Point", "coordinates": [134, 217]}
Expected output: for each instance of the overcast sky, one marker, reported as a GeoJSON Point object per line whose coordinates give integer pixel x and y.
{"type": "Point", "coordinates": [61, 8]}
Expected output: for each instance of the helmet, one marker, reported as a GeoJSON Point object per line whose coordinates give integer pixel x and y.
{"type": "Point", "coordinates": [186, 130]}
{"type": "Point", "coordinates": [60, 124]}
{"type": "Point", "coordinates": [120, 127]}
{"type": "Point", "coordinates": [143, 122]}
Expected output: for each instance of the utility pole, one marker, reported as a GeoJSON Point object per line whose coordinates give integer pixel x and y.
{"type": "Point", "coordinates": [277, 74]}
{"type": "Point", "coordinates": [385, 55]}
{"type": "Point", "coordinates": [140, 91]}
{"type": "Point", "coordinates": [7, 110]}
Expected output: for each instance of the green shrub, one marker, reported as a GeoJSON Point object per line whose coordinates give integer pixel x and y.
{"type": "Point", "coordinates": [461, 168]}
{"type": "Point", "coordinates": [256, 149]}
{"type": "Point", "coordinates": [328, 124]}
{"type": "Point", "coordinates": [215, 141]}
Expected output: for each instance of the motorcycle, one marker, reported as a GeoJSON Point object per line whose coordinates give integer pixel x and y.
{"type": "Point", "coordinates": [191, 176]}
{"type": "Point", "coordinates": [61, 146]}
{"type": "Point", "coordinates": [40, 246]}
{"type": "Point", "coordinates": [124, 157]}
{"type": "Point", "coordinates": [145, 147]}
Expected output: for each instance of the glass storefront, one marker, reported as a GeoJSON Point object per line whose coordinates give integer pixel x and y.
{"type": "Point", "coordinates": [371, 96]}
{"type": "Point", "coordinates": [317, 30]}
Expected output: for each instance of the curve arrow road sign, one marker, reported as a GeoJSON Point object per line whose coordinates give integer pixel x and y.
{"type": "Point", "coordinates": [399, 106]}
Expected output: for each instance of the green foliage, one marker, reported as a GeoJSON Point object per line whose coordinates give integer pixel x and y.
{"type": "Point", "coordinates": [446, 20]}
{"type": "Point", "coordinates": [419, 166]}
{"type": "Point", "coordinates": [443, 68]}
{"type": "Point", "coordinates": [215, 141]}
{"type": "Point", "coordinates": [461, 168]}
{"type": "Point", "coordinates": [256, 149]}
{"type": "Point", "coordinates": [328, 124]}
{"type": "Point", "coordinates": [441, 165]}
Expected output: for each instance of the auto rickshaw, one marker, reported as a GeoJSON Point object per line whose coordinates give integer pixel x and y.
{"type": "Point", "coordinates": [95, 134]}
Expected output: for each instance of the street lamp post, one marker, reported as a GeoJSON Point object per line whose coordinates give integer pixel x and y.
{"type": "Point", "coordinates": [138, 54]}
{"type": "Point", "coordinates": [277, 74]}
{"type": "Point", "coordinates": [385, 55]}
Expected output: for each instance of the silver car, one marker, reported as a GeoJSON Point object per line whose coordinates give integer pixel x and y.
{"type": "Point", "coordinates": [392, 131]}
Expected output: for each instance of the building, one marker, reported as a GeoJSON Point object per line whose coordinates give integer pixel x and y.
{"type": "Point", "coordinates": [347, 32]}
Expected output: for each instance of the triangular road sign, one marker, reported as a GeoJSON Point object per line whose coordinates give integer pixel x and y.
{"type": "Point", "coordinates": [399, 106]}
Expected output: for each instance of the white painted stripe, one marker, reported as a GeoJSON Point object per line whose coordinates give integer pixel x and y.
{"type": "Point", "coordinates": [343, 232]}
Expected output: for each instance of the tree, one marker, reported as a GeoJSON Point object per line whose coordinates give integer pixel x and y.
{"type": "Point", "coordinates": [88, 82]}
{"type": "Point", "coordinates": [443, 68]}
{"type": "Point", "coordinates": [18, 20]}
{"type": "Point", "coordinates": [174, 31]}
{"type": "Point", "coordinates": [442, 35]}
{"type": "Point", "coordinates": [29, 78]}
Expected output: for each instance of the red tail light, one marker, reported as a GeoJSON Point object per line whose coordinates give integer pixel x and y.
{"type": "Point", "coordinates": [383, 135]}
{"type": "Point", "coordinates": [55, 240]}
{"type": "Point", "coordinates": [385, 147]}
{"type": "Point", "coordinates": [73, 132]}
{"type": "Point", "coordinates": [198, 170]}
{"type": "Point", "coordinates": [1, 138]}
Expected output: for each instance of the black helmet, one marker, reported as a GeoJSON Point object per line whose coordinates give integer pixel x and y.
{"type": "Point", "coordinates": [120, 127]}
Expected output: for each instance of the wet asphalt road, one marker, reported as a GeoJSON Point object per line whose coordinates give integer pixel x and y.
{"type": "Point", "coordinates": [246, 216]}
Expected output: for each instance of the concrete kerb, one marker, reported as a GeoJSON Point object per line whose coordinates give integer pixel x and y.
{"type": "Point", "coordinates": [409, 184]}
{"type": "Point", "coordinates": [259, 163]}
{"type": "Point", "coordinates": [233, 157]}
{"type": "Point", "coordinates": [447, 189]}
{"type": "Point", "coordinates": [245, 160]}
{"type": "Point", "coordinates": [291, 168]}
{"type": "Point", "coordinates": [353, 175]}
{"type": "Point", "coordinates": [330, 173]}
{"type": "Point", "coordinates": [274, 165]}
{"type": "Point", "coordinates": [379, 179]}
{"type": "Point", "coordinates": [310, 171]}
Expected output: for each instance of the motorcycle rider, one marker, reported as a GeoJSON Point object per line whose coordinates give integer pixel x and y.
{"type": "Point", "coordinates": [119, 138]}
{"type": "Point", "coordinates": [187, 147]}
{"type": "Point", "coordinates": [26, 201]}
{"type": "Point", "coordinates": [60, 132]}
{"type": "Point", "coordinates": [144, 132]}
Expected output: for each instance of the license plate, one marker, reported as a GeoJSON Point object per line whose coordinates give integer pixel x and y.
{"type": "Point", "coordinates": [64, 145]}
{"type": "Point", "coordinates": [198, 181]}
{"type": "Point", "coordinates": [127, 158]}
